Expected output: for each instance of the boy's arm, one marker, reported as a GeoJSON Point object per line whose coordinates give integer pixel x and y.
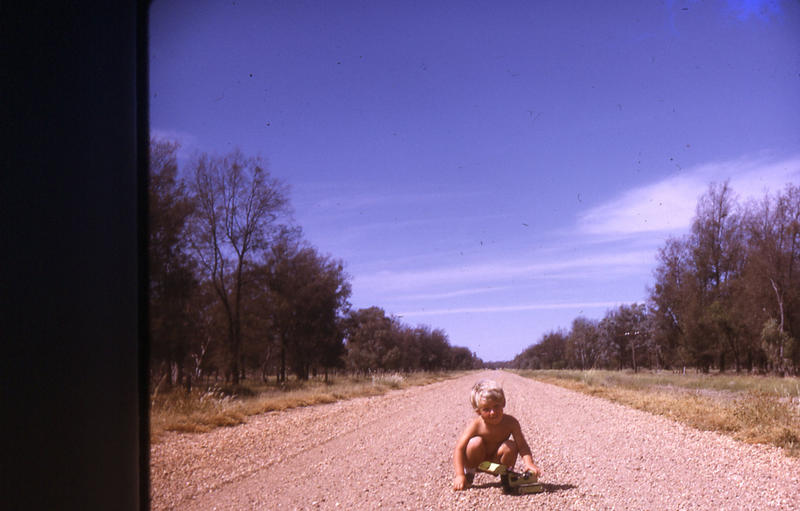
{"type": "Point", "coordinates": [460, 455]}
{"type": "Point", "coordinates": [524, 449]}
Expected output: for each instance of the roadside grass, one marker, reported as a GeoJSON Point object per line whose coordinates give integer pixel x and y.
{"type": "Point", "coordinates": [753, 409]}
{"type": "Point", "coordinates": [215, 406]}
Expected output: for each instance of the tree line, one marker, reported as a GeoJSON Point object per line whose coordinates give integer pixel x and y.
{"type": "Point", "coordinates": [236, 292]}
{"type": "Point", "coordinates": [726, 296]}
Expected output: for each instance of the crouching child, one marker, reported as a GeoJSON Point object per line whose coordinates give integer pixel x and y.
{"type": "Point", "coordinates": [491, 436]}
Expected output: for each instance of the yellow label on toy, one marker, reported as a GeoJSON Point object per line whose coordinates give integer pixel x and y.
{"type": "Point", "coordinates": [492, 468]}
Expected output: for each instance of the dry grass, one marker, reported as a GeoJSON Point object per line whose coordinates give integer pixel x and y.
{"type": "Point", "coordinates": [754, 409]}
{"type": "Point", "coordinates": [220, 406]}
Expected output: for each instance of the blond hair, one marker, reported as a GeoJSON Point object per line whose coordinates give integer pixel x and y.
{"type": "Point", "coordinates": [487, 390]}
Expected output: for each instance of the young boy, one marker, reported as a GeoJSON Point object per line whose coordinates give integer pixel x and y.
{"type": "Point", "coordinates": [487, 437]}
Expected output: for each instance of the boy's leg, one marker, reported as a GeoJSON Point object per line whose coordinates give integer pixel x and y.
{"type": "Point", "coordinates": [507, 454]}
{"type": "Point", "coordinates": [476, 452]}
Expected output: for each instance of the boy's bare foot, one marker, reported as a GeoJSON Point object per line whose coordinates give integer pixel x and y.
{"type": "Point", "coordinates": [470, 477]}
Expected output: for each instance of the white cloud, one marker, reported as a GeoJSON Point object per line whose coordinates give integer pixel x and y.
{"type": "Point", "coordinates": [512, 308]}
{"type": "Point", "coordinates": [456, 293]}
{"type": "Point", "coordinates": [759, 178]}
{"type": "Point", "coordinates": [665, 206]}
{"type": "Point", "coordinates": [624, 233]}
{"type": "Point", "coordinates": [500, 271]}
{"type": "Point", "coordinates": [334, 197]}
{"type": "Point", "coordinates": [669, 205]}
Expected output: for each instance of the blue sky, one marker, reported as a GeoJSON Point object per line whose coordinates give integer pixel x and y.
{"type": "Point", "coordinates": [494, 169]}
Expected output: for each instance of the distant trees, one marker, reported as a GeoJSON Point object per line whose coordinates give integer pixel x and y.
{"type": "Point", "coordinates": [235, 289]}
{"type": "Point", "coordinates": [621, 339]}
{"type": "Point", "coordinates": [376, 341]}
{"type": "Point", "coordinates": [727, 295]}
{"type": "Point", "coordinates": [549, 353]}
{"type": "Point", "coordinates": [583, 349]}
{"type": "Point", "coordinates": [625, 335]}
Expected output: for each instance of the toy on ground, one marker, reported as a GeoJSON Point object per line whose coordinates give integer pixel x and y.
{"type": "Point", "coordinates": [513, 482]}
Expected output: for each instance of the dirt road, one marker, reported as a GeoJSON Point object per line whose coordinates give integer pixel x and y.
{"type": "Point", "coordinates": [395, 452]}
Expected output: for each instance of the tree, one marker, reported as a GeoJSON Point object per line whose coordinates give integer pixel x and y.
{"type": "Point", "coordinates": [670, 300]}
{"type": "Point", "coordinates": [727, 292]}
{"type": "Point", "coordinates": [376, 341]}
{"type": "Point", "coordinates": [408, 348]}
{"type": "Point", "coordinates": [625, 331]}
{"type": "Point", "coordinates": [434, 347]}
{"type": "Point", "coordinates": [172, 280]}
{"type": "Point", "coordinates": [583, 343]}
{"type": "Point", "coordinates": [697, 281]}
{"type": "Point", "coordinates": [772, 280]}
{"type": "Point", "coordinates": [208, 353]}
{"type": "Point", "coordinates": [462, 358]}
{"type": "Point", "coordinates": [777, 344]}
{"type": "Point", "coordinates": [260, 344]}
{"type": "Point", "coordinates": [239, 207]}
{"type": "Point", "coordinates": [717, 257]}
{"type": "Point", "coordinates": [306, 294]}
{"type": "Point", "coordinates": [548, 353]}
{"type": "Point", "coordinates": [371, 335]}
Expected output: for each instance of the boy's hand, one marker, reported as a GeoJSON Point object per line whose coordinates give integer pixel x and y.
{"type": "Point", "coordinates": [533, 469]}
{"type": "Point", "coordinates": [459, 482]}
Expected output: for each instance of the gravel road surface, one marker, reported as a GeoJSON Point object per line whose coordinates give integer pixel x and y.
{"type": "Point", "coordinates": [395, 452]}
